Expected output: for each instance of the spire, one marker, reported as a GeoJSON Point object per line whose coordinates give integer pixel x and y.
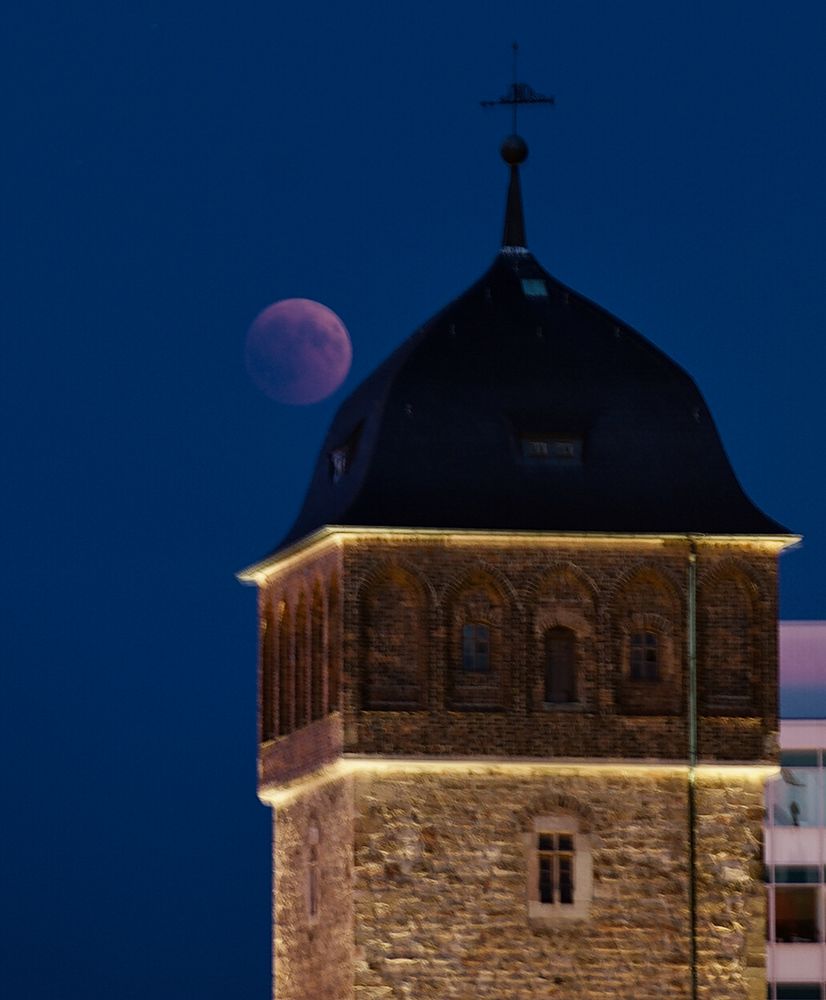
{"type": "Point", "coordinates": [514, 151]}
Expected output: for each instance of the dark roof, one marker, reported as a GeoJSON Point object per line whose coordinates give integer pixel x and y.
{"type": "Point", "coordinates": [450, 431]}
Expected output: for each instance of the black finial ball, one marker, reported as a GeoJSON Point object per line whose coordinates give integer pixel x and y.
{"type": "Point", "coordinates": [514, 150]}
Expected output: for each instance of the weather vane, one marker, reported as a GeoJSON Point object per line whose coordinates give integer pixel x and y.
{"type": "Point", "coordinates": [518, 93]}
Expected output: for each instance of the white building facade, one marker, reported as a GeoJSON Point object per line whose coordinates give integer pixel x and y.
{"type": "Point", "coordinates": [795, 828]}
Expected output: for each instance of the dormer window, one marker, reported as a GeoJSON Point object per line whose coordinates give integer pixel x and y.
{"type": "Point", "coordinates": [552, 449]}
{"type": "Point", "coordinates": [534, 288]}
{"type": "Point", "coordinates": [339, 463]}
{"type": "Point", "coordinates": [341, 458]}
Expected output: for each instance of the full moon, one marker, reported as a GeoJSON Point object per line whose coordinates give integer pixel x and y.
{"type": "Point", "coordinates": [298, 351]}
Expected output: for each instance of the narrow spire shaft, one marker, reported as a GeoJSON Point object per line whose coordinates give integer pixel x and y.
{"type": "Point", "coordinates": [514, 231]}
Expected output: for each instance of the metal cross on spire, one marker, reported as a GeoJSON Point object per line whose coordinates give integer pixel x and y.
{"type": "Point", "coordinates": [518, 93]}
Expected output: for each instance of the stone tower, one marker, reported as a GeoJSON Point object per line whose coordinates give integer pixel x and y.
{"type": "Point", "coordinates": [518, 685]}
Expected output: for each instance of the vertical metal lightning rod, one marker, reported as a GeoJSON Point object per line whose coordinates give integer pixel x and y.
{"type": "Point", "coordinates": [513, 84]}
{"type": "Point", "coordinates": [515, 151]}
{"type": "Point", "coordinates": [692, 759]}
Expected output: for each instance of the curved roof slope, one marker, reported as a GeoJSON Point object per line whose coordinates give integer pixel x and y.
{"type": "Point", "coordinates": [523, 406]}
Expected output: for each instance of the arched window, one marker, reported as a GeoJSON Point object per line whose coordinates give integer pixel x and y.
{"type": "Point", "coordinates": [560, 666]}
{"type": "Point", "coordinates": [650, 644]}
{"type": "Point", "coordinates": [644, 663]}
{"type": "Point", "coordinates": [479, 637]}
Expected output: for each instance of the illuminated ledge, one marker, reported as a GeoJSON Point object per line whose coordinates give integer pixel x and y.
{"type": "Point", "coordinates": [351, 765]}
{"type": "Point", "coordinates": [336, 536]}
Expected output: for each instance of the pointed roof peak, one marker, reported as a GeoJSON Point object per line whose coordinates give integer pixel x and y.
{"type": "Point", "coordinates": [514, 151]}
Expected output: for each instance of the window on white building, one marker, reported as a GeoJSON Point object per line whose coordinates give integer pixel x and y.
{"type": "Point", "coordinates": [794, 796]}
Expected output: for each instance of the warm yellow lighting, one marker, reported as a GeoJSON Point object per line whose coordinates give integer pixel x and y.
{"type": "Point", "coordinates": [350, 766]}
{"type": "Point", "coordinates": [313, 545]}
{"type": "Point", "coordinates": [261, 572]}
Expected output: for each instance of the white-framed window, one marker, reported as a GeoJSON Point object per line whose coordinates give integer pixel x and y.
{"type": "Point", "coordinates": [560, 869]}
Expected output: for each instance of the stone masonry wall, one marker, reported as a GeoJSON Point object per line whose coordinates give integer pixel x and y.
{"type": "Point", "coordinates": [440, 882]}
{"type": "Point", "coordinates": [313, 955]}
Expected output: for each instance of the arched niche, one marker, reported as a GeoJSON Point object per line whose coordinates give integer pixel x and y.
{"type": "Point", "coordinates": [334, 652]}
{"type": "Point", "coordinates": [317, 656]}
{"type": "Point", "coordinates": [286, 674]}
{"type": "Point", "coordinates": [648, 644]}
{"type": "Point", "coordinates": [563, 669]}
{"type": "Point", "coordinates": [727, 642]}
{"type": "Point", "coordinates": [269, 646]}
{"type": "Point", "coordinates": [479, 635]}
{"type": "Point", "coordinates": [302, 672]}
{"type": "Point", "coordinates": [393, 613]}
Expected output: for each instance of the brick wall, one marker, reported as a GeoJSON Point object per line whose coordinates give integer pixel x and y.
{"type": "Point", "coordinates": [603, 595]}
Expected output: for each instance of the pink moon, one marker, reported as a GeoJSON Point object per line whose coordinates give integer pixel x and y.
{"type": "Point", "coordinates": [298, 351]}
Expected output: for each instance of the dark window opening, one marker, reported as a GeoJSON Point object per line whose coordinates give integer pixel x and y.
{"type": "Point", "coordinates": [476, 648]}
{"type": "Point", "coordinates": [796, 991]}
{"type": "Point", "coordinates": [556, 867]}
{"type": "Point", "coordinates": [560, 666]}
{"type": "Point", "coordinates": [644, 657]}
{"type": "Point", "coordinates": [342, 457]}
{"type": "Point", "coordinates": [795, 914]}
{"type": "Point", "coordinates": [552, 449]}
{"type": "Point", "coordinates": [534, 288]}
{"type": "Point", "coordinates": [789, 874]}
{"type": "Point", "coordinates": [798, 758]}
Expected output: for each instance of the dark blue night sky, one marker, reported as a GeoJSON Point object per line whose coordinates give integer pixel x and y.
{"type": "Point", "coordinates": [169, 170]}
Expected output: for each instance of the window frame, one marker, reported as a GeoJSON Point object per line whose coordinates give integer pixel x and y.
{"type": "Point", "coordinates": [640, 643]}
{"type": "Point", "coordinates": [573, 639]}
{"type": "Point", "coordinates": [559, 825]}
{"type": "Point", "coordinates": [481, 647]}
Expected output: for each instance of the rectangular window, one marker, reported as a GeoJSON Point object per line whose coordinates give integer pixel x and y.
{"type": "Point", "coordinates": [534, 288]}
{"type": "Point", "coordinates": [341, 458]}
{"type": "Point", "coordinates": [793, 797]}
{"type": "Point", "coordinates": [552, 449]}
{"type": "Point", "coordinates": [556, 867]}
{"type": "Point", "coordinates": [795, 991]}
{"type": "Point", "coordinates": [476, 648]}
{"type": "Point", "coordinates": [644, 661]}
{"type": "Point", "coordinates": [796, 874]}
{"type": "Point", "coordinates": [799, 758]}
{"type": "Point", "coordinates": [795, 914]}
